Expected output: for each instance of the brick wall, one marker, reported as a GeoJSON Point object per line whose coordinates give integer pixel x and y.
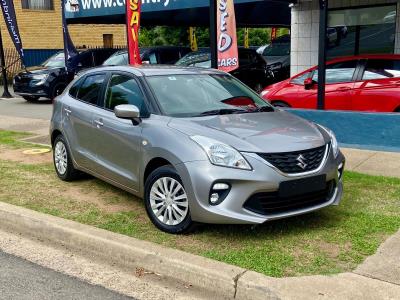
{"type": "Point", "coordinates": [305, 30]}
{"type": "Point", "coordinates": [41, 29]}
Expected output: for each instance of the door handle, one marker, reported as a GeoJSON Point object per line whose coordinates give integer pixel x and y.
{"type": "Point", "coordinates": [343, 89]}
{"type": "Point", "coordinates": [99, 123]}
{"type": "Point", "coordinates": [67, 111]}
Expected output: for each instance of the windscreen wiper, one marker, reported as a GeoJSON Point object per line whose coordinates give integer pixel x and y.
{"type": "Point", "coordinates": [262, 109]}
{"type": "Point", "coordinates": [223, 111]}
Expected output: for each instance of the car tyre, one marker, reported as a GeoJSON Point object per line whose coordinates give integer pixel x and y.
{"type": "Point", "coordinates": [280, 104]}
{"type": "Point", "coordinates": [31, 98]}
{"type": "Point", "coordinates": [57, 90]}
{"type": "Point", "coordinates": [166, 201]}
{"type": "Point", "coordinates": [63, 161]}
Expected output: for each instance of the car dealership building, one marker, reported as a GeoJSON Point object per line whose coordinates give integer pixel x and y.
{"type": "Point", "coordinates": [362, 26]}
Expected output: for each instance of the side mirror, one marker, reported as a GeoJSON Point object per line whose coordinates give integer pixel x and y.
{"type": "Point", "coordinates": [309, 83]}
{"type": "Point", "coordinates": [128, 111]}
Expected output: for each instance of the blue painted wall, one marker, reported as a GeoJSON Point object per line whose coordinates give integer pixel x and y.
{"type": "Point", "coordinates": [34, 57]}
{"type": "Point", "coordinates": [375, 131]}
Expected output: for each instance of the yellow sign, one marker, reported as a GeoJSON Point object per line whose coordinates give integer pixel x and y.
{"type": "Point", "coordinates": [193, 39]}
{"type": "Point", "coordinates": [36, 151]}
{"type": "Point", "coordinates": [246, 38]}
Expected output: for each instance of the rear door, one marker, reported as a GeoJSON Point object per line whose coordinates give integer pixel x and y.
{"type": "Point", "coordinates": [119, 144]}
{"type": "Point", "coordinates": [78, 119]}
{"type": "Point", "coordinates": [378, 89]}
{"type": "Point", "coordinates": [338, 89]}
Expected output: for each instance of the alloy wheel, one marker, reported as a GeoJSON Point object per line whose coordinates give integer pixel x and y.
{"type": "Point", "coordinates": [168, 201]}
{"type": "Point", "coordinates": [61, 157]}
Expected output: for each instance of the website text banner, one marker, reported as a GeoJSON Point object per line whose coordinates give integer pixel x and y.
{"type": "Point", "coordinates": [94, 8]}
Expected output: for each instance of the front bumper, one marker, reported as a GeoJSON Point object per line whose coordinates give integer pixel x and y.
{"type": "Point", "coordinates": [199, 176]}
{"type": "Point", "coordinates": [26, 89]}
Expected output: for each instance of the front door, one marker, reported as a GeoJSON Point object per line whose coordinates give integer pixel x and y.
{"type": "Point", "coordinates": [120, 141]}
{"type": "Point", "coordinates": [339, 86]}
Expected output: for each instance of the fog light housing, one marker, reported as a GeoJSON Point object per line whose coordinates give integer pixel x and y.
{"type": "Point", "coordinates": [218, 192]}
{"type": "Point", "coordinates": [340, 171]}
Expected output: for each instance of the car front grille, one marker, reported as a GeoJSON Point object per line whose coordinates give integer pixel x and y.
{"type": "Point", "coordinates": [271, 203]}
{"type": "Point", "coordinates": [296, 162]}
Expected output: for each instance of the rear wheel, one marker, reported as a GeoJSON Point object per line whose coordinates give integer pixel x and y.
{"type": "Point", "coordinates": [397, 110]}
{"type": "Point", "coordinates": [280, 104]}
{"type": "Point", "coordinates": [63, 161]}
{"type": "Point", "coordinates": [31, 98]}
{"type": "Point", "coordinates": [166, 201]}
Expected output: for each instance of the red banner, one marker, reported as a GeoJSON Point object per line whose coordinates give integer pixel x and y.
{"type": "Point", "coordinates": [274, 33]}
{"type": "Point", "coordinates": [133, 8]}
{"type": "Point", "coordinates": [228, 56]}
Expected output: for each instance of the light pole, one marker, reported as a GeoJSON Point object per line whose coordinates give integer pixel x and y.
{"type": "Point", "coordinates": [6, 93]}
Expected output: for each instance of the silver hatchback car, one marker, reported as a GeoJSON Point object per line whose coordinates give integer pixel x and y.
{"type": "Point", "coordinates": [197, 145]}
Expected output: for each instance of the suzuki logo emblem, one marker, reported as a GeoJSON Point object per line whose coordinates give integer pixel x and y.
{"type": "Point", "coordinates": [302, 162]}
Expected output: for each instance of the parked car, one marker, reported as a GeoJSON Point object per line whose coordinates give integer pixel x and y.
{"type": "Point", "coordinates": [196, 144]}
{"type": "Point", "coordinates": [253, 69]}
{"type": "Point", "coordinates": [361, 83]}
{"type": "Point", "coordinates": [332, 36]}
{"type": "Point", "coordinates": [49, 79]}
{"type": "Point", "coordinates": [163, 55]}
{"type": "Point", "coordinates": [277, 55]}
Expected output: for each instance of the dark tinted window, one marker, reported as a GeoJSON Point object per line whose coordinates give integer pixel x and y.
{"type": "Point", "coordinates": [339, 72]}
{"type": "Point", "coordinates": [380, 69]}
{"type": "Point", "coordinates": [89, 91]}
{"type": "Point", "coordinates": [246, 58]}
{"type": "Point", "coordinates": [169, 56]}
{"type": "Point", "coordinates": [124, 89]}
{"type": "Point", "coordinates": [73, 91]}
{"type": "Point", "coordinates": [86, 60]}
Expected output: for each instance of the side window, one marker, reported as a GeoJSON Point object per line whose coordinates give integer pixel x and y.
{"type": "Point", "coordinates": [73, 91]}
{"type": "Point", "coordinates": [124, 89]}
{"type": "Point", "coordinates": [300, 79]}
{"type": "Point", "coordinates": [86, 59]}
{"type": "Point", "coordinates": [153, 58]}
{"type": "Point", "coordinates": [90, 89]}
{"type": "Point", "coordinates": [380, 69]}
{"type": "Point", "coordinates": [339, 72]}
{"type": "Point", "coordinates": [169, 56]}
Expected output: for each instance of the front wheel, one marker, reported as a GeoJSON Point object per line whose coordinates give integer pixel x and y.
{"type": "Point", "coordinates": [166, 201]}
{"type": "Point", "coordinates": [31, 98]}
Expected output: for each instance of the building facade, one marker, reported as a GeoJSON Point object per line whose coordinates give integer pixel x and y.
{"type": "Point", "coordinates": [39, 23]}
{"type": "Point", "coordinates": [354, 27]}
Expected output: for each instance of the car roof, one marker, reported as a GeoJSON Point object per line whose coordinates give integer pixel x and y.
{"type": "Point", "coordinates": [154, 70]}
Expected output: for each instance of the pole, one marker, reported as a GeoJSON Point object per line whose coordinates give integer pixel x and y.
{"type": "Point", "coordinates": [213, 34]}
{"type": "Point", "coordinates": [6, 93]}
{"type": "Point", "coordinates": [323, 24]}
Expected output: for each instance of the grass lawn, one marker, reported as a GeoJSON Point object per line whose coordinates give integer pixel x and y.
{"type": "Point", "coordinates": [333, 240]}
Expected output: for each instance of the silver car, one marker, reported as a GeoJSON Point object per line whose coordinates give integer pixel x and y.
{"type": "Point", "coordinates": [196, 144]}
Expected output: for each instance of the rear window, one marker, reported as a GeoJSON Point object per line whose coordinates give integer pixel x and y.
{"type": "Point", "coordinates": [381, 69]}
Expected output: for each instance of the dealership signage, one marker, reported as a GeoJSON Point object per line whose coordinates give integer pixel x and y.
{"type": "Point", "coordinates": [132, 24]}
{"type": "Point", "coordinates": [7, 7]}
{"type": "Point", "coordinates": [228, 58]}
{"type": "Point", "coordinates": [94, 8]}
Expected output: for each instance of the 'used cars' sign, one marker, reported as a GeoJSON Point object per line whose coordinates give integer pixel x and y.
{"type": "Point", "coordinates": [228, 57]}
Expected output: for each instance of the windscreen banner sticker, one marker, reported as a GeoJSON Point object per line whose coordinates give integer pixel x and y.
{"type": "Point", "coordinates": [228, 56]}
{"type": "Point", "coordinates": [133, 8]}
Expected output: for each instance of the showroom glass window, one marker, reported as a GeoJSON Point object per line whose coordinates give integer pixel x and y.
{"type": "Point", "coordinates": [124, 89]}
{"type": "Point", "coordinates": [37, 4]}
{"type": "Point", "coordinates": [362, 30]}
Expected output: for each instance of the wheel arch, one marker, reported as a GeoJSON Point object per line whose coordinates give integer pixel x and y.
{"type": "Point", "coordinates": [54, 135]}
{"type": "Point", "coordinates": [154, 164]}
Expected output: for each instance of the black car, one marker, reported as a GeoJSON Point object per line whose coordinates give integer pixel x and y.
{"type": "Point", "coordinates": [253, 69]}
{"type": "Point", "coordinates": [50, 78]}
{"type": "Point", "coordinates": [164, 55]}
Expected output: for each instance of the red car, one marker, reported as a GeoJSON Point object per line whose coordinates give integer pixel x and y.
{"type": "Point", "coordinates": [361, 83]}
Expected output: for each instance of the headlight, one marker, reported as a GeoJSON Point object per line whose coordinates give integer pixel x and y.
{"type": "Point", "coordinates": [264, 93]}
{"type": "Point", "coordinates": [334, 143]}
{"type": "Point", "coordinates": [221, 154]}
{"type": "Point", "coordinates": [39, 79]}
